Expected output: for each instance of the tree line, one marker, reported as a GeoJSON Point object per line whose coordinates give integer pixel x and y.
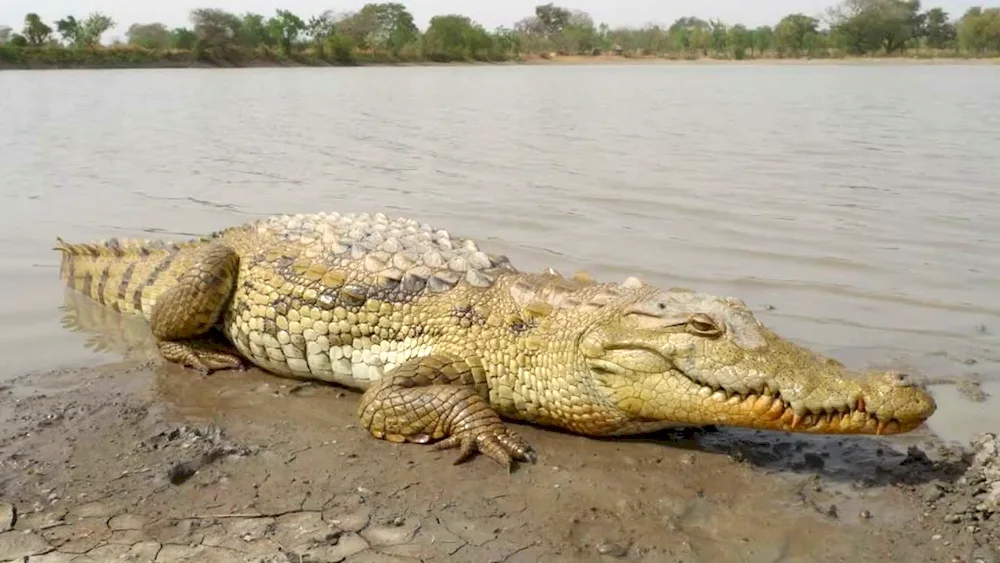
{"type": "Point", "coordinates": [385, 32]}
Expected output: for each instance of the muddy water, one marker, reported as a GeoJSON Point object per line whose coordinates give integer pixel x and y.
{"type": "Point", "coordinates": [855, 208]}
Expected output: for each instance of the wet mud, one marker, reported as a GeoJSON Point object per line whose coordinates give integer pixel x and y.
{"type": "Point", "coordinates": [135, 460]}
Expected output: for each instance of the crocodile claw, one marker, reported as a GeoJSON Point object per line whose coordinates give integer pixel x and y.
{"type": "Point", "coordinates": [502, 445]}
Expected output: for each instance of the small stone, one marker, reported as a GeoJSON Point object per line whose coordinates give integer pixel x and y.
{"type": "Point", "coordinates": [612, 549]}
{"type": "Point", "coordinates": [933, 495]}
{"type": "Point", "coordinates": [985, 554]}
{"type": "Point", "coordinates": [865, 515]}
{"type": "Point", "coordinates": [8, 516]}
{"type": "Point", "coordinates": [952, 518]}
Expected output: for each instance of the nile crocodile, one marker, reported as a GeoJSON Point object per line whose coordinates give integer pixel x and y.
{"type": "Point", "coordinates": [445, 341]}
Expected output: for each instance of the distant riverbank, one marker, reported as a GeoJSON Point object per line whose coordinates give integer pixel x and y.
{"type": "Point", "coordinates": [21, 58]}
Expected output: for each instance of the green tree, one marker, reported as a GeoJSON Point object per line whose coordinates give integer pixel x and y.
{"type": "Point", "coordinates": [321, 26]}
{"type": "Point", "coordinates": [285, 28]}
{"type": "Point", "coordinates": [214, 29]}
{"type": "Point", "coordinates": [148, 35]}
{"type": "Point", "coordinates": [357, 27]}
{"type": "Point", "coordinates": [689, 34]}
{"type": "Point", "coordinates": [453, 37]}
{"type": "Point", "coordinates": [93, 28]}
{"type": "Point", "coordinates": [979, 30]}
{"type": "Point", "coordinates": [392, 27]}
{"type": "Point", "coordinates": [793, 33]}
{"type": "Point", "coordinates": [253, 31]}
{"type": "Point", "coordinates": [651, 39]}
{"type": "Point", "coordinates": [865, 26]}
{"type": "Point", "coordinates": [69, 28]}
{"type": "Point", "coordinates": [762, 40]}
{"type": "Point", "coordinates": [340, 48]}
{"type": "Point", "coordinates": [938, 30]}
{"type": "Point", "coordinates": [507, 41]}
{"type": "Point", "coordinates": [578, 35]}
{"type": "Point", "coordinates": [720, 36]}
{"type": "Point", "coordinates": [35, 32]}
{"type": "Point", "coordinates": [552, 19]}
{"type": "Point", "coordinates": [183, 38]}
{"type": "Point", "coordinates": [532, 36]}
{"type": "Point", "coordinates": [740, 40]}
{"type": "Point", "coordinates": [700, 40]}
{"type": "Point", "coordinates": [320, 29]}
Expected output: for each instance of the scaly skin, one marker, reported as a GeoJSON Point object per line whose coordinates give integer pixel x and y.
{"type": "Point", "coordinates": [445, 341]}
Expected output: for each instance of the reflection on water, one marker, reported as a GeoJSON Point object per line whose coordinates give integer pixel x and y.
{"type": "Point", "coordinates": [852, 207]}
{"type": "Point", "coordinates": [107, 332]}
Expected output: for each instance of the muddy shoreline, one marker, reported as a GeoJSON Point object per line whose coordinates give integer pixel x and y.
{"type": "Point", "coordinates": [140, 461]}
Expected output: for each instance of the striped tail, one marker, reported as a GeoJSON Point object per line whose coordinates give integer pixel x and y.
{"type": "Point", "coordinates": [119, 273]}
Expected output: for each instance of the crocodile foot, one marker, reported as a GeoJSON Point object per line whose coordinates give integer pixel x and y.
{"type": "Point", "coordinates": [434, 399]}
{"type": "Point", "coordinates": [199, 357]}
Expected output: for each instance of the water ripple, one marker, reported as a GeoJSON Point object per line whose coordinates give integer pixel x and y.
{"type": "Point", "coordinates": [860, 203]}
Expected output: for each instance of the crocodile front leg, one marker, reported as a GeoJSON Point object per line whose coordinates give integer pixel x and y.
{"type": "Point", "coordinates": [192, 306]}
{"type": "Point", "coordinates": [432, 399]}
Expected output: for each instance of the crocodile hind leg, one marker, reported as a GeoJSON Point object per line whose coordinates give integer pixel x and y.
{"type": "Point", "coordinates": [191, 307]}
{"type": "Point", "coordinates": [433, 399]}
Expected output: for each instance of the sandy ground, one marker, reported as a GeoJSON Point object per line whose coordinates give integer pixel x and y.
{"type": "Point", "coordinates": [139, 461]}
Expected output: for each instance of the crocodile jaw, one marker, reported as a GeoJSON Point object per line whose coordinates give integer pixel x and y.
{"type": "Point", "coordinates": [884, 404]}
{"type": "Point", "coordinates": [695, 359]}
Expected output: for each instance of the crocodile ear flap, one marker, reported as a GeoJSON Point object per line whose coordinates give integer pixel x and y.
{"type": "Point", "coordinates": [592, 345]}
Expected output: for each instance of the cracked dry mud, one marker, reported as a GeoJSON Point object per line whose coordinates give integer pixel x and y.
{"type": "Point", "coordinates": [141, 461]}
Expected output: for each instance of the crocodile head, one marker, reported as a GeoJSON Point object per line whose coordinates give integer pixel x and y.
{"type": "Point", "coordinates": [701, 359]}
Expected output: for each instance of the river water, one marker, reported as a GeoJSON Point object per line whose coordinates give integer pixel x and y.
{"type": "Point", "coordinates": [855, 208]}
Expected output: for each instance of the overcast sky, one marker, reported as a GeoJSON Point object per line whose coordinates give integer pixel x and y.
{"type": "Point", "coordinates": [490, 13]}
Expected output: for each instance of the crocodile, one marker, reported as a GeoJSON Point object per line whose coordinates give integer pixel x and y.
{"type": "Point", "coordinates": [446, 344]}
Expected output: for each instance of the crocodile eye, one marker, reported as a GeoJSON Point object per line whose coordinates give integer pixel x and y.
{"type": "Point", "coordinates": [703, 325]}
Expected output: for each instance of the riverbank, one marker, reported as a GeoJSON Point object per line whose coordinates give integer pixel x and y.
{"type": "Point", "coordinates": [136, 460]}
{"type": "Point", "coordinates": [13, 58]}
{"type": "Point", "coordinates": [140, 460]}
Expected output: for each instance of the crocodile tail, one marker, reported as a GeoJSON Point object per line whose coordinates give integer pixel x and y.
{"type": "Point", "coordinates": [117, 272]}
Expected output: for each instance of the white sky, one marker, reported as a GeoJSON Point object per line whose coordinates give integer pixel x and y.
{"type": "Point", "coordinates": [490, 13]}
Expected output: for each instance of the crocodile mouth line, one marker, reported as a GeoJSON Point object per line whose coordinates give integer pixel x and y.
{"type": "Point", "coordinates": [768, 405]}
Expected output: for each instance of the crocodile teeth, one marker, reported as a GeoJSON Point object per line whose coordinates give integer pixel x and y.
{"type": "Point", "coordinates": [796, 420]}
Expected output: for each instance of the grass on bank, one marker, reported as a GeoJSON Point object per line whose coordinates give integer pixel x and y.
{"type": "Point", "coordinates": [129, 56]}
